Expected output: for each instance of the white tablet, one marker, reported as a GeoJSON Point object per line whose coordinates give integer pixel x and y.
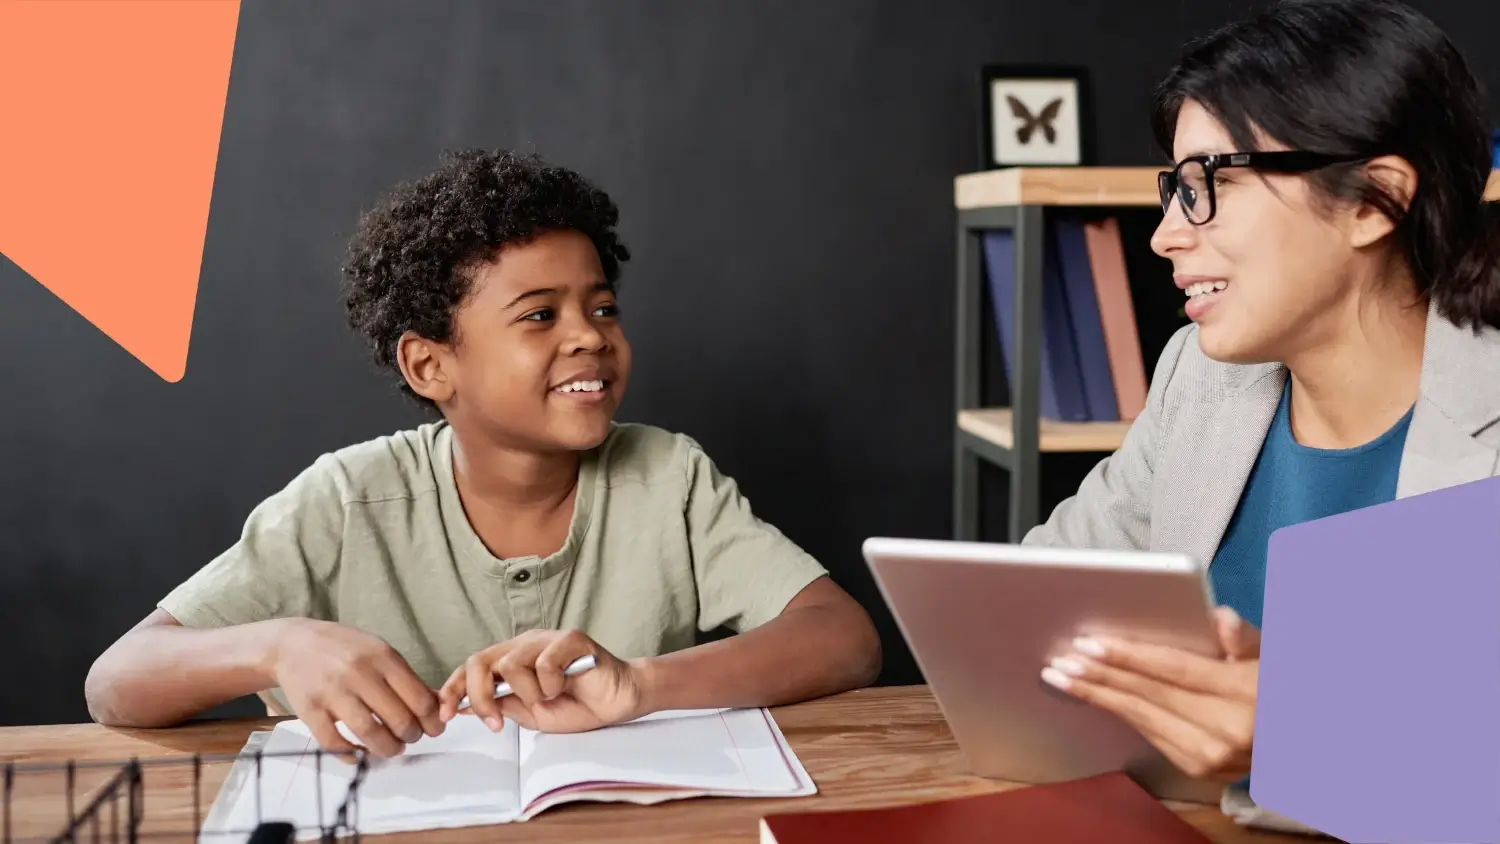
{"type": "Point", "coordinates": [983, 619]}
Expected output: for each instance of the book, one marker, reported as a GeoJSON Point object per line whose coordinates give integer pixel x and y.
{"type": "Point", "coordinates": [1062, 396]}
{"type": "Point", "coordinates": [1000, 272]}
{"type": "Point", "coordinates": [1117, 315]}
{"type": "Point", "coordinates": [1059, 344]}
{"type": "Point", "coordinates": [470, 776]}
{"type": "Point", "coordinates": [1071, 249]}
{"type": "Point", "coordinates": [1105, 809]}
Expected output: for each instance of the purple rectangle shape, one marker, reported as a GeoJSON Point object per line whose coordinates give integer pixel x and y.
{"type": "Point", "coordinates": [1378, 711]}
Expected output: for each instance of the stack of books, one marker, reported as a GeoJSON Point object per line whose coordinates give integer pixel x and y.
{"type": "Point", "coordinates": [1092, 369]}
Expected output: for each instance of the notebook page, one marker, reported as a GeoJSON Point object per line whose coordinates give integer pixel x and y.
{"type": "Point", "coordinates": [729, 750]}
{"type": "Point", "coordinates": [464, 777]}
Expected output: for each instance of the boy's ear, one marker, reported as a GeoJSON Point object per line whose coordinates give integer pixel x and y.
{"type": "Point", "coordinates": [424, 364]}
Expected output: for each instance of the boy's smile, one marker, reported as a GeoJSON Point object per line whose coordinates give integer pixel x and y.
{"type": "Point", "coordinates": [591, 386]}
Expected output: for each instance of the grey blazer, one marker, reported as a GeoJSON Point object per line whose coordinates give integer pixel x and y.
{"type": "Point", "coordinates": [1176, 480]}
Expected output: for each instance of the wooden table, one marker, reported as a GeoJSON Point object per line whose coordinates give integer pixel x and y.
{"type": "Point", "coordinates": [869, 748]}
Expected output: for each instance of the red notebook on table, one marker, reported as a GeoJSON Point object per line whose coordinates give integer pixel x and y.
{"type": "Point", "coordinates": [1106, 809]}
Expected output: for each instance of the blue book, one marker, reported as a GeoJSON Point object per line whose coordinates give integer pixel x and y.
{"type": "Point", "coordinates": [1060, 399]}
{"type": "Point", "coordinates": [1088, 327]}
{"type": "Point", "coordinates": [1000, 271]}
{"type": "Point", "coordinates": [1059, 346]}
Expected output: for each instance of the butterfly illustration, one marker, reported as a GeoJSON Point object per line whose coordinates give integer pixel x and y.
{"type": "Point", "coordinates": [1042, 120]}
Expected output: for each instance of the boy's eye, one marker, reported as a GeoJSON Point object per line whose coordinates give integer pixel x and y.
{"type": "Point", "coordinates": [609, 309]}
{"type": "Point", "coordinates": [539, 315]}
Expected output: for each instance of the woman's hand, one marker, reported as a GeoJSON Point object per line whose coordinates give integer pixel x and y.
{"type": "Point", "coordinates": [1199, 711]}
{"type": "Point", "coordinates": [543, 698]}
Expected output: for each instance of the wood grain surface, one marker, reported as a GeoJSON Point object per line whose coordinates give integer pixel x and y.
{"type": "Point", "coordinates": [869, 748]}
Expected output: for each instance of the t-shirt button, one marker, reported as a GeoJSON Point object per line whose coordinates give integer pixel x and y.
{"type": "Point", "coordinates": [522, 576]}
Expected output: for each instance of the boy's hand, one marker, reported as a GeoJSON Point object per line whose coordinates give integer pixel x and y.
{"type": "Point", "coordinates": [543, 698]}
{"type": "Point", "coordinates": [331, 672]}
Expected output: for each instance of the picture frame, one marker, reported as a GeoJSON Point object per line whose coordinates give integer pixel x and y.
{"type": "Point", "coordinates": [1035, 116]}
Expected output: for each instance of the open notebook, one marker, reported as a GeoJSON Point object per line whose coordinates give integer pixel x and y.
{"type": "Point", "coordinates": [469, 776]}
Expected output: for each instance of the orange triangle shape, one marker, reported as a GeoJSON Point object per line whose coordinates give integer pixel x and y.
{"type": "Point", "coordinates": [112, 112]}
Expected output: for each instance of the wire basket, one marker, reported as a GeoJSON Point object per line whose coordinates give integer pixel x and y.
{"type": "Point", "coordinates": [162, 800]}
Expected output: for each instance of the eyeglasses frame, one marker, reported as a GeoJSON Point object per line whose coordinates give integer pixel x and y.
{"type": "Point", "coordinates": [1276, 161]}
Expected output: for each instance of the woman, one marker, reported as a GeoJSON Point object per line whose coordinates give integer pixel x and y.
{"type": "Point", "coordinates": [1344, 347]}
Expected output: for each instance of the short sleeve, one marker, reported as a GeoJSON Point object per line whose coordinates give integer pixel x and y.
{"type": "Point", "coordinates": [282, 565]}
{"type": "Point", "coordinates": [746, 570]}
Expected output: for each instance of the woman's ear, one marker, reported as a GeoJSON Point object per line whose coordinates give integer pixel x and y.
{"type": "Point", "coordinates": [1398, 179]}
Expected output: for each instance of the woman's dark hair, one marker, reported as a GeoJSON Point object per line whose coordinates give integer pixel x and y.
{"type": "Point", "coordinates": [1363, 78]}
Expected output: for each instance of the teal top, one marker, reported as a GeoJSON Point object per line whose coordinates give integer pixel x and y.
{"type": "Point", "coordinates": [1292, 483]}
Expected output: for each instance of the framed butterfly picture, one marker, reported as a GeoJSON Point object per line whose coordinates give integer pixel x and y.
{"type": "Point", "coordinates": [1035, 116]}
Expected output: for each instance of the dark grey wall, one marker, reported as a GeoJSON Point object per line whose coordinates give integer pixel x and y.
{"type": "Point", "coordinates": [785, 173]}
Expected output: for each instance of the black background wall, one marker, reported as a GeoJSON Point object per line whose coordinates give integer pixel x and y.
{"type": "Point", "coordinates": [785, 171]}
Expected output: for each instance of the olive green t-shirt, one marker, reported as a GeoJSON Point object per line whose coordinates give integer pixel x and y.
{"type": "Point", "coordinates": [661, 545]}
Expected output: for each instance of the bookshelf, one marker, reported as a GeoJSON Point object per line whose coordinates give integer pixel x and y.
{"type": "Point", "coordinates": [1015, 437]}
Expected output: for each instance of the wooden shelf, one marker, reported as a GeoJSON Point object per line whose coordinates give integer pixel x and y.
{"type": "Point", "coordinates": [994, 425]}
{"type": "Point", "coordinates": [1057, 186]}
{"type": "Point", "coordinates": [1116, 186]}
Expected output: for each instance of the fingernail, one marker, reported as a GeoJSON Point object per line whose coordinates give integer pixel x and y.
{"type": "Point", "coordinates": [1088, 647]}
{"type": "Point", "coordinates": [1070, 667]}
{"type": "Point", "coordinates": [493, 723]}
{"type": "Point", "coordinates": [1053, 677]}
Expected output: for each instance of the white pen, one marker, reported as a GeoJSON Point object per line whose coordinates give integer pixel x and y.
{"type": "Point", "coordinates": [577, 666]}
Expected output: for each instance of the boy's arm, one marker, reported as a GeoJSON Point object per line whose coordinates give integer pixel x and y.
{"type": "Point", "coordinates": [821, 644]}
{"type": "Point", "coordinates": [161, 673]}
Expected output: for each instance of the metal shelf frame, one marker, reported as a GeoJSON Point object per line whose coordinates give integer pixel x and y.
{"type": "Point", "coordinates": [1023, 459]}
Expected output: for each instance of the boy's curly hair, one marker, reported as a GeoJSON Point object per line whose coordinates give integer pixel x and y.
{"type": "Point", "coordinates": [411, 262]}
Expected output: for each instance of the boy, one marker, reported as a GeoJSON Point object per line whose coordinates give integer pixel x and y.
{"type": "Point", "coordinates": [522, 529]}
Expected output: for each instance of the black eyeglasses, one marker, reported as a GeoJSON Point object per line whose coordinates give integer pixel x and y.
{"type": "Point", "coordinates": [1192, 180]}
